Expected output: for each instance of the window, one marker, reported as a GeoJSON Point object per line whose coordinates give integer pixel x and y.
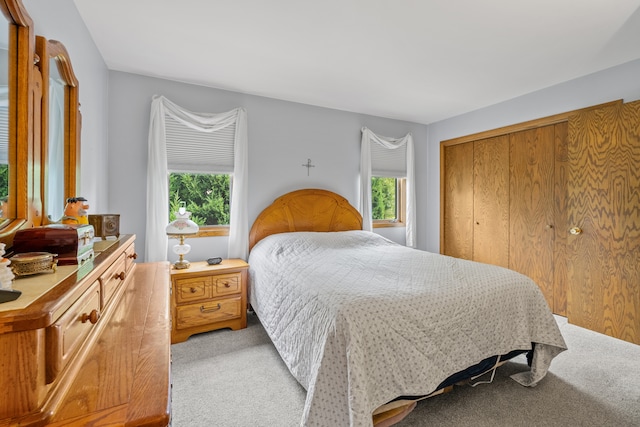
{"type": "Point", "coordinates": [388, 172]}
{"type": "Point", "coordinates": [200, 175]}
{"type": "Point", "coordinates": [206, 196]}
{"type": "Point", "coordinates": [388, 201]}
{"type": "Point", "coordinates": [181, 141]}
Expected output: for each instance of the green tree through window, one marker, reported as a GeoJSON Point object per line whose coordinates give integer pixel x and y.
{"type": "Point", "coordinates": [207, 197]}
{"type": "Point", "coordinates": [4, 181]}
{"type": "Point", "coordinates": [383, 198]}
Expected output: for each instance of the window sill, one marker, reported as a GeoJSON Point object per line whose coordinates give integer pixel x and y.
{"type": "Point", "coordinates": [209, 231]}
{"type": "Point", "coordinates": [388, 224]}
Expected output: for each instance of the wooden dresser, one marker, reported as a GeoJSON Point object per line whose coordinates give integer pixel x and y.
{"type": "Point", "coordinates": [90, 348]}
{"type": "Point", "coordinates": [208, 297]}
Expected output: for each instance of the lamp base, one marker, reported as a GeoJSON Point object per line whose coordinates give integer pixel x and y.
{"type": "Point", "coordinates": [181, 264]}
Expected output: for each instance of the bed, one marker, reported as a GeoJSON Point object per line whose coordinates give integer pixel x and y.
{"type": "Point", "coordinates": [368, 326]}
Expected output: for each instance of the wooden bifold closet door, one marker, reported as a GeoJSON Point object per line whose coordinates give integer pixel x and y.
{"type": "Point", "coordinates": [491, 201]}
{"type": "Point", "coordinates": [537, 209]}
{"type": "Point", "coordinates": [457, 201]}
{"type": "Point", "coordinates": [501, 204]}
{"type": "Point", "coordinates": [573, 218]}
{"type": "Point", "coordinates": [477, 201]}
{"type": "Point", "coordinates": [604, 216]}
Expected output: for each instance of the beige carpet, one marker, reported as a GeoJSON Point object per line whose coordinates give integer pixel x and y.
{"type": "Point", "coordinates": [237, 379]}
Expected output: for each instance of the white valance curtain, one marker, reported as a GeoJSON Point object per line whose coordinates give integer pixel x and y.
{"type": "Point", "coordinates": [386, 162]}
{"type": "Point", "coordinates": [158, 181]}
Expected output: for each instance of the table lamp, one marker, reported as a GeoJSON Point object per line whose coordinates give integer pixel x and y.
{"type": "Point", "coordinates": [180, 227]}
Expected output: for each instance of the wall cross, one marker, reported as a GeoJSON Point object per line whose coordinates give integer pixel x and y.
{"type": "Point", "coordinates": [308, 165]}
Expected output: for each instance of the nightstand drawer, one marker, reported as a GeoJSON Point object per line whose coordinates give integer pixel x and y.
{"type": "Point", "coordinates": [192, 289]}
{"type": "Point", "coordinates": [207, 312]}
{"type": "Point", "coordinates": [225, 284]}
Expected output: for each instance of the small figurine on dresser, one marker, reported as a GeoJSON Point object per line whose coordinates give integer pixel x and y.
{"type": "Point", "coordinates": [75, 211]}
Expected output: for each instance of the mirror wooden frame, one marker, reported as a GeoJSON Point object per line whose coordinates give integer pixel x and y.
{"type": "Point", "coordinates": [21, 119]}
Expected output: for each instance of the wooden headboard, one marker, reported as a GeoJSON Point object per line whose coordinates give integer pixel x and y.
{"type": "Point", "coordinates": [305, 210]}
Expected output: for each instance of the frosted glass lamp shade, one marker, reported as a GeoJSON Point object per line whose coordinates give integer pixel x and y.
{"type": "Point", "coordinates": [180, 227]}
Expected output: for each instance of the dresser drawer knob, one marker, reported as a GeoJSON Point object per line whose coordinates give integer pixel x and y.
{"type": "Point", "coordinates": [133, 256]}
{"type": "Point", "coordinates": [119, 275]}
{"type": "Point", "coordinates": [226, 284]}
{"type": "Point", "coordinates": [193, 290]}
{"type": "Point", "coordinates": [210, 310]}
{"type": "Point", "coordinates": [91, 317]}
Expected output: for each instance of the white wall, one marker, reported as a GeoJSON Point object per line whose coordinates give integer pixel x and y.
{"type": "Point", "coordinates": [282, 136]}
{"type": "Point", "coordinates": [60, 20]}
{"type": "Point", "coordinates": [622, 82]}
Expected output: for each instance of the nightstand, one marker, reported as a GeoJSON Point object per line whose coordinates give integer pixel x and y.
{"type": "Point", "coordinates": [207, 297]}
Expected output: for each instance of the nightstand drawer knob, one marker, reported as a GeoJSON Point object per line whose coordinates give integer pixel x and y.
{"type": "Point", "coordinates": [193, 290]}
{"type": "Point", "coordinates": [226, 284]}
{"type": "Point", "coordinates": [210, 310]}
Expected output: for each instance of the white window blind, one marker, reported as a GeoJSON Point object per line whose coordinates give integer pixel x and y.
{"type": "Point", "coordinates": [194, 151]}
{"type": "Point", "coordinates": [4, 125]}
{"type": "Point", "coordinates": [386, 162]}
{"type": "Point", "coordinates": [4, 135]}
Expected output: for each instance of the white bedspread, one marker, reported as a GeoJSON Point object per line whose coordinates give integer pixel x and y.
{"type": "Point", "coordinates": [360, 320]}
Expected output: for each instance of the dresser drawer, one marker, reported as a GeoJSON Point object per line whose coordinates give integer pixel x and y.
{"type": "Point", "coordinates": [112, 278]}
{"type": "Point", "coordinates": [192, 289]}
{"type": "Point", "coordinates": [225, 284]}
{"type": "Point", "coordinates": [207, 312]}
{"type": "Point", "coordinates": [67, 334]}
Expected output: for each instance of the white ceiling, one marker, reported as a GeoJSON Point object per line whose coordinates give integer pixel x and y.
{"type": "Point", "coordinates": [415, 60]}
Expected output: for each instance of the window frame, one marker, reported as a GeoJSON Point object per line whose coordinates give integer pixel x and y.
{"type": "Point", "coordinates": [401, 207]}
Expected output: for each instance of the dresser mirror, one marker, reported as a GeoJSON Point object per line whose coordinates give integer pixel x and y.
{"type": "Point", "coordinates": [39, 125]}
{"type": "Point", "coordinates": [54, 157]}
{"type": "Point", "coordinates": [4, 120]}
{"type": "Point", "coordinates": [60, 127]}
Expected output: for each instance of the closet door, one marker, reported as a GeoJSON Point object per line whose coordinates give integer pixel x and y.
{"type": "Point", "coordinates": [457, 201]}
{"type": "Point", "coordinates": [604, 212]}
{"type": "Point", "coordinates": [531, 213]}
{"type": "Point", "coordinates": [491, 201]}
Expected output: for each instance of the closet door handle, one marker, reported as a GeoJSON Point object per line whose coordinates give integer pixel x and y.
{"type": "Point", "coordinates": [575, 231]}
